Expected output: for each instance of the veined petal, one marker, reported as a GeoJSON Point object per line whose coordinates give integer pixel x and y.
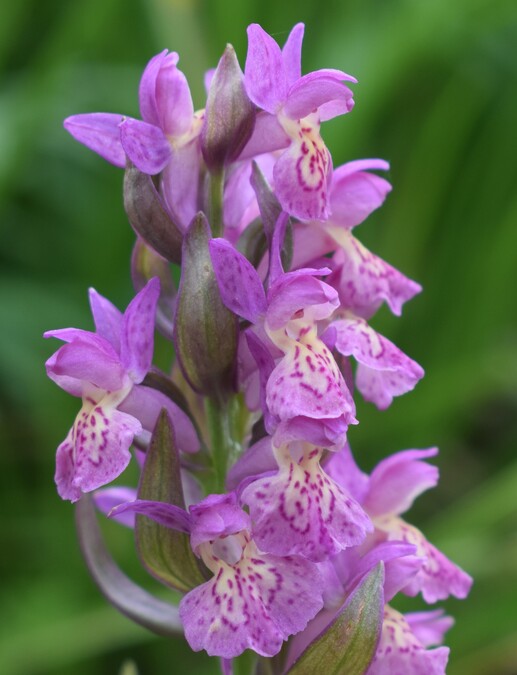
{"type": "Point", "coordinates": [147, 88]}
{"type": "Point", "coordinates": [302, 511]}
{"type": "Point", "coordinates": [136, 348]}
{"type": "Point", "coordinates": [99, 132]}
{"type": "Point", "coordinates": [301, 172]}
{"type": "Point", "coordinates": [398, 480]}
{"type": "Point", "coordinates": [96, 449]}
{"type": "Point", "coordinates": [167, 515]}
{"type": "Point", "coordinates": [239, 284]}
{"type": "Point", "coordinates": [384, 371]}
{"type": "Point", "coordinates": [314, 90]}
{"type": "Point", "coordinates": [438, 577]}
{"type": "Point", "coordinates": [292, 54]}
{"type": "Point", "coordinates": [364, 281]}
{"type": "Point", "coordinates": [354, 193]}
{"type": "Point", "coordinates": [400, 651]}
{"type": "Point", "coordinates": [145, 145]}
{"type": "Point", "coordinates": [107, 318]}
{"type": "Point", "coordinates": [256, 603]}
{"type": "Point", "coordinates": [264, 73]}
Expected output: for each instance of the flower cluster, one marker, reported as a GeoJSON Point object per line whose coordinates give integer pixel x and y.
{"type": "Point", "coordinates": [277, 525]}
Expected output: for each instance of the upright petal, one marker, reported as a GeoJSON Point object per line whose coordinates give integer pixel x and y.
{"type": "Point", "coordinates": [147, 88]}
{"type": "Point", "coordinates": [173, 99]}
{"type": "Point", "coordinates": [99, 132]}
{"type": "Point", "coordinates": [136, 349]}
{"type": "Point", "coordinates": [264, 73]}
{"type": "Point", "coordinates": [292, 54]}
{"type": "Point", "coordinates": [107, 318]}
{"type": "Point", "coordinates": [179, 182]}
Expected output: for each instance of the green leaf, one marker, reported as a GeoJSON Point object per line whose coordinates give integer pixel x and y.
{"type": "Point", "coordinates": [124, 594]}
{"type": "Point", "coordinates": [349, 642]}
{"type": "Point", "coordinates": [165, 553]}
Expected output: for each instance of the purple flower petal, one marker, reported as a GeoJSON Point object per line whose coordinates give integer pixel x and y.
{"type": "Point", "coordinates": [264, 73]}
{"type": "Point", "coordinates": [439, 577]}
{"type": "Point", "coordinates": [300, 174]}
{"type": "Point", "coordinates": [400, 651]}
{"type": "Point", "coordinates": [136, 348]}
{"type": "Point", "coordinates": [89, 359]}
{"type": "Point", "coordinates": [256, 603]}
{"type": "Point", "coordinates": [147, 88]}
{"type": "Point", "coordinates": [398, 480]}
{"type": "Point", "coordinates": [300, 292]}
{"type": "Point", "coordinates": [180, 183]}
{"type": "Point", "coordinates": [429, 627]}
{"type": "Point", "coordinates": [302, 511]}
{"type": "Point", "coordinates": [107, 318]}
{"type": "Point", "coordinates": [167, 515]}
{"type": "Point", "coordinates": [145, 145]}
{"type": "Point", "coordinates": [354, 194]}
{"type": "Point", "coordinates": [292, 54]}
{"type": "Point", "coordinates": [268, 136]}
{"type": "Point", "coordinates": [257, 459]}
{"type": "Point", "coordinates": [99, 132]}
{"type": "Point", "coordinates": [365, 281]}
{"type": "Point", "coordinates": [239, 284]}
{"type": "Point", "coordinates": [216, 516]}
{"type": "Point", "coordinates": [308, 383]}
{"type": "Point", "coordinates": [145, 404]}
{"type": "Point", "coordinates": [107, 498]}
{"type": "Point", "coordinates": [314, 90]}
{"type": "Point", "coordinates": [96, 449]}
{"type": "Point", "coordinates": [384, 371]}
{"type": "Point", "coordinates": [173, 99]}
{"type": "Point", "coordinates": [265, 364]}
{"type": "Point", "coordinates": [342, 468]}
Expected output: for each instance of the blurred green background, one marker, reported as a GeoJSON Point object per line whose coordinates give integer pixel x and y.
{"type": "Point", "coordinates": [437, 97]}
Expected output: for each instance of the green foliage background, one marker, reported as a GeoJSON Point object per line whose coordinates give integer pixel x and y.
{"type": "Point", "coordinates": [437, 97]}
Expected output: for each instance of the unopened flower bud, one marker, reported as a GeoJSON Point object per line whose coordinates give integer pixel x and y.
{"type": "Point", "coordinates": [229, 116]}
{"type": "Point", "coordinates": [205, 331]}
{"type": "Point", "coordinates": [148, 215]}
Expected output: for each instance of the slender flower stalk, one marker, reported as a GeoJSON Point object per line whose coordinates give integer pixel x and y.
{"type": "Point", "coordinates": [250, 502]}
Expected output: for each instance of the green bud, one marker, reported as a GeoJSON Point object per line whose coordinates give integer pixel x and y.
{"type": "Point", "coordinates": [205, 331]}
{"type": "Point", "coordinates": [229, 114]}
{"type": "Point", "coordinates": [148, 215]}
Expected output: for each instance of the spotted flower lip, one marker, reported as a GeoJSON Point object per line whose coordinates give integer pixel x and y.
{"type": "Point", "coordinates": [250, 600]}
{"type": "Point", "coordinates": [106, 369]}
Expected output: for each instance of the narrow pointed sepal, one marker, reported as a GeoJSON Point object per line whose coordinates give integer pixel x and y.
{"type": "Point", "coordinates": [165, 553]}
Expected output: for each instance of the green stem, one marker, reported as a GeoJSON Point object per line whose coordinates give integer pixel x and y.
{"type": "Point", "coordinates": [221, 440]}
{"type": "Point", "coordinates": [215, 206]}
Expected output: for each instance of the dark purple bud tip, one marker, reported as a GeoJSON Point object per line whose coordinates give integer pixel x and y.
{"type": "Point", "coordinates": [230, 115]}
